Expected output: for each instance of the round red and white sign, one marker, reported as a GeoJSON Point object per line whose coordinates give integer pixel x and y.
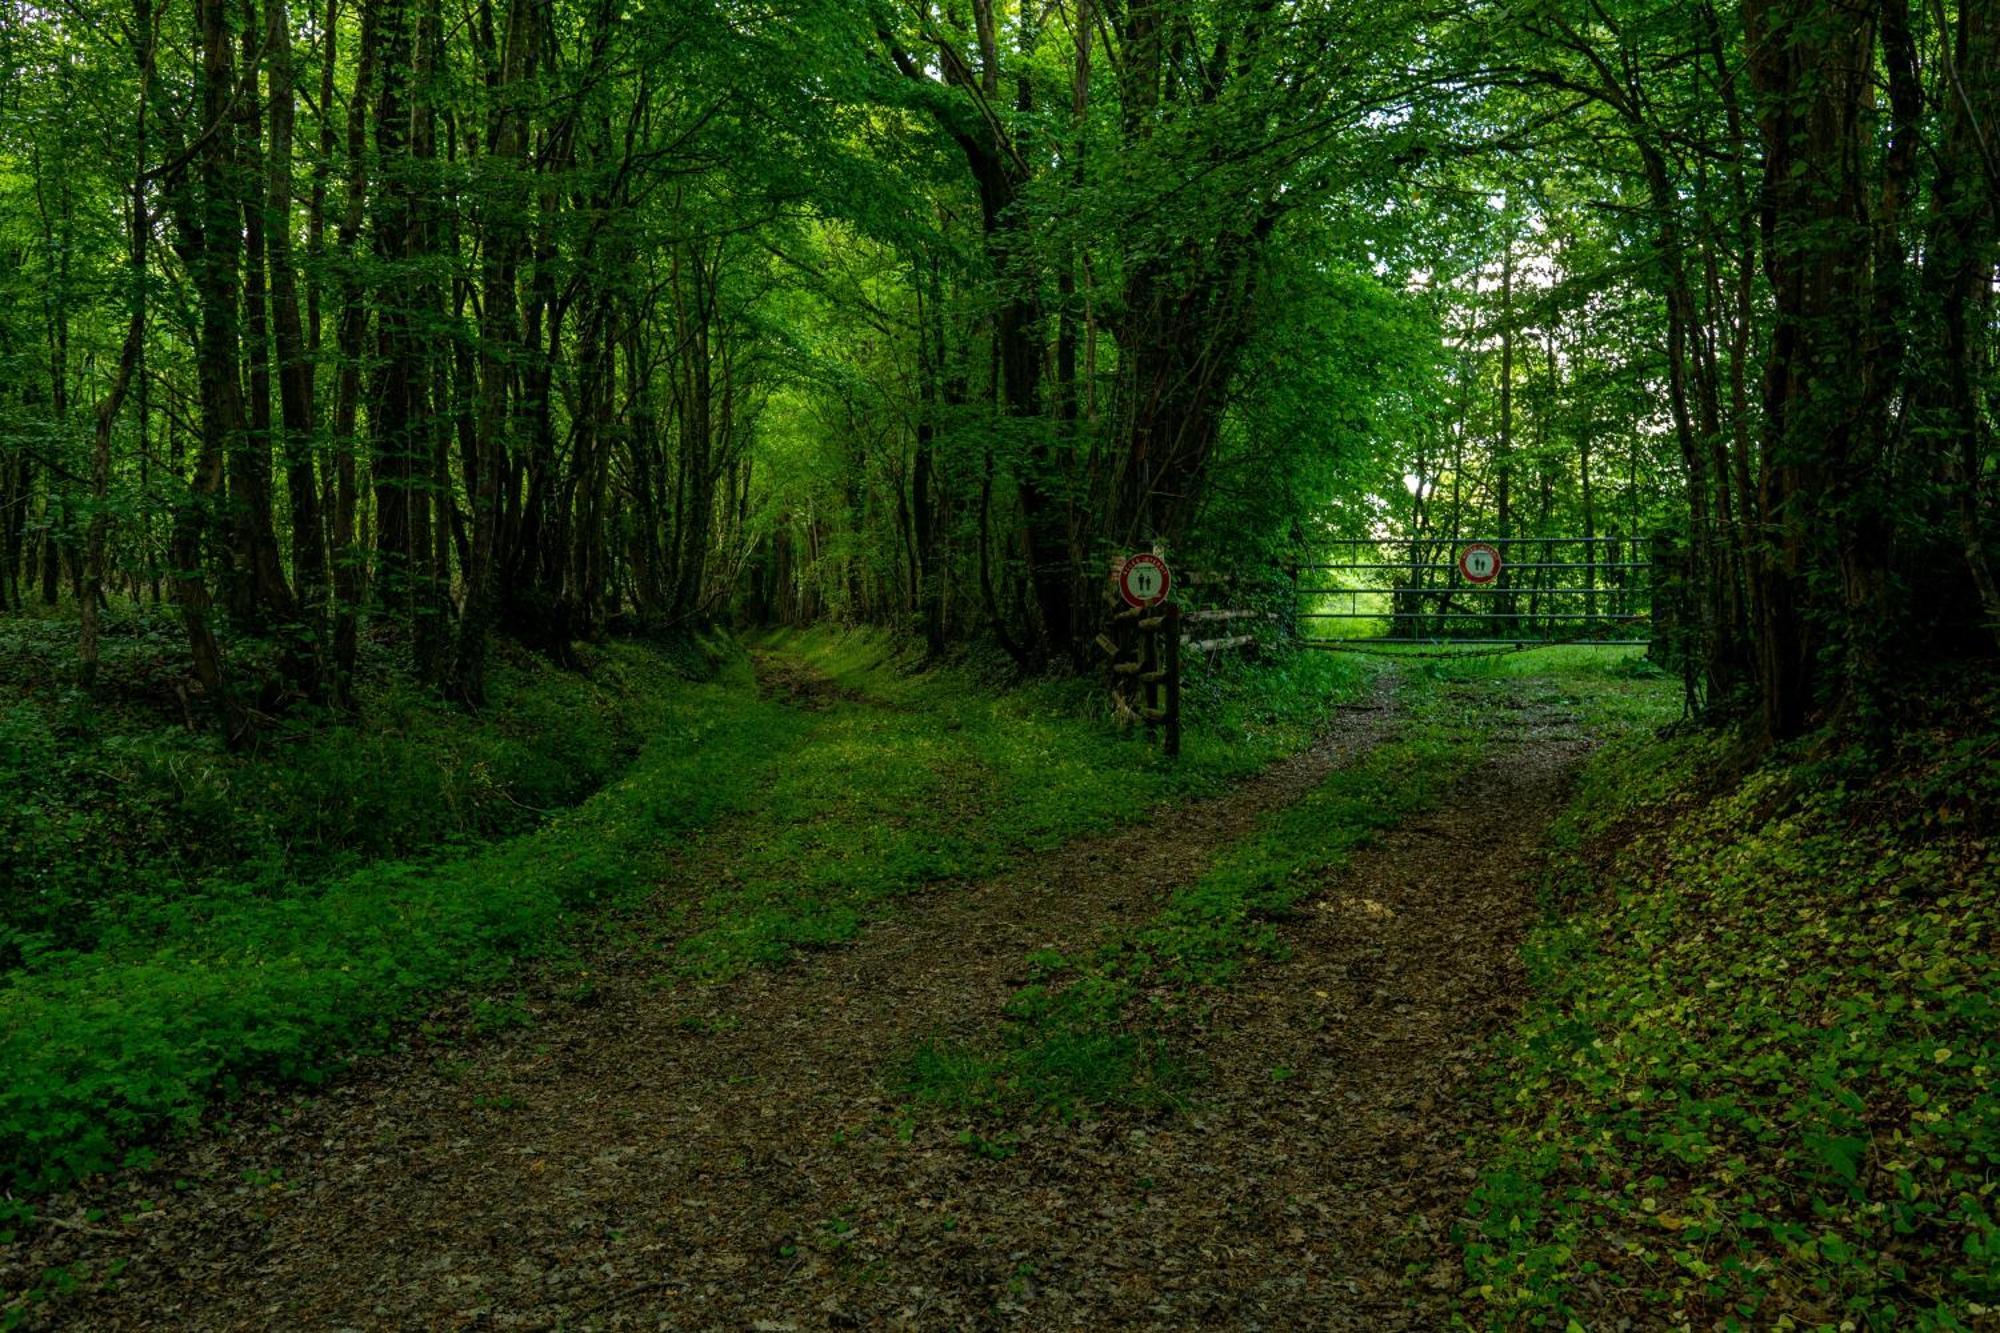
{"type": "Point", "coordinates": [1143, 580]}
{"type": "Point", "coordinates": [1479, 563]}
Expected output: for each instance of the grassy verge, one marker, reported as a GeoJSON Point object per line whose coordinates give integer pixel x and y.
{"type": "Point", "coordinates": [1755, 1085]}
{"type": "Point", "coordinates": [118, 823]}
{"type": "Point", "coordinates": [930, 777]}
{"type": "Point", "coordinates": [107, 1048]}
{"type": "Point", "coordinates": [913, 779]}
{"type": "Point", "coordinates": [1617, 694]}
{"type": "Point", "coordinates": [1091, 1032]}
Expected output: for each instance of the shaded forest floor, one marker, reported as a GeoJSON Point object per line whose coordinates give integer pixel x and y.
{"type": "Point", "coordinates": [661, 1134]}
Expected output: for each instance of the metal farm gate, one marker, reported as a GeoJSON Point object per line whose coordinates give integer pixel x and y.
{"type": "Point", "coordinates": [1534, 590]}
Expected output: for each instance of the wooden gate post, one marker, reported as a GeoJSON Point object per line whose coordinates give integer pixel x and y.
{"type": "Point", "coordinates": [1144, 645]}
{"type": "Point", "coordinates": [1294, 629]}
{"type": "Point", "coordinates": [1124, 635]}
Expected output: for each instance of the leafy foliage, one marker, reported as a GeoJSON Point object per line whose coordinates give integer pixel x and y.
{"type": "Point", "coordinates": [913, 780]}
{"type": "Point", "coordinates": [1757, 1075]}
{"type": "Point", "coordinates": [118, 820]}
{"type": "Point", "coordinates": [274, 984]}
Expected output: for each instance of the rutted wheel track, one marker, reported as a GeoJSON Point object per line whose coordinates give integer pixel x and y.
{"type": "Point", "coordinates": [723, 1157]}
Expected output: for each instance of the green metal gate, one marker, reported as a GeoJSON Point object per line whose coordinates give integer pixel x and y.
{"type": "Point", "coordinates": [1547, 590]}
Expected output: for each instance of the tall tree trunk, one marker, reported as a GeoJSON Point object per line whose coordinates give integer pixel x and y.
{"type": "Point", "coordinates": [1712, 655]}
{"type": "Point", "coordinates": [348, 559]}
{"type": "Point", "coordinates": [1503, 454]}
{"type": "Point", "coordinates": [295, 371]}
{"type": "Point", "coordinates": [395, 393]}
{"type": "Point", "coordinates": [928, 501]}
{"type": "Point", "coordinates": [106, 413]}
{"type": "Point", "coordinates": [259, 597]}
{"type": "Point", "coordinates": [209, 218]}
{"type": "Point", "coordinates": [503, 226]}
{"type": "Point", "coordinates": [428, 498]}
{"type": "Point", "coordinates": [694, 299]}
{"type": "Point", "coordinates": [1951, 428]}
{"type": "Point", "coordinates": [1811, 65]}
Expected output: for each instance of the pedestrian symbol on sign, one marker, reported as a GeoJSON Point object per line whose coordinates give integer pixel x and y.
{"type": "Point", "coordinates": [1143, 580]}
{"type": "Point", "coordinates": [1479, 563]}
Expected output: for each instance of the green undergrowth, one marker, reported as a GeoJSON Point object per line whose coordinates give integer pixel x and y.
{"type": "Point", "coordinates": [1093, 1031]}
{"type": "Point", "coordinates": [1755, 1086]}
{"type": "Point", "coordinates": [917, 777]}
{"type": "Point", "coordinates": [240, 986]}
{"type": "Point", "coordinates": [1613, 690]}
{"type": "Point", "coordinates": [905, 778]}
{"type": "Point", "coordinates": [117, 821]}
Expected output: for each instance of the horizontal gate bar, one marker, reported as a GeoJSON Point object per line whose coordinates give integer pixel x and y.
{"type": "Point", "coordinates": [1457, 615]}
{"type": "Point", "coordinates": [1510, 565]}
{"type": "Point", "coordinates": [1338, 644]}
{"type": "Point", "coordinates": [1482, 541]}
{"type": "Point", "coordinates": [1520, 590]}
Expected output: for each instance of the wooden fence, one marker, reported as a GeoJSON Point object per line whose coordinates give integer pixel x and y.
{"type": "Point", "coordinates": [1145, 648]}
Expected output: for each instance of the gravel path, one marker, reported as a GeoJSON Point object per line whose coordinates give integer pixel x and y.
{"type": "Point", "coordinates": [671, 1155]}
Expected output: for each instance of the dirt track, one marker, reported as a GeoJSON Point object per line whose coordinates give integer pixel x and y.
{"type": "Point", "coordinates": [732, 1156]}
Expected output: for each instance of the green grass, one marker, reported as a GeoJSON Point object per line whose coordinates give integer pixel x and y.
{"type": "Point", "coordinates": [939, 776]}
{"type": "Point", "coordinates": [1094, 1031]}
{"type": "Point", "coordinates": [1616, 692]}
{"type": "Point", "coordinates": [111, 1047]}
{"type": "Point", "coordinates": [1756, 1081]}
{"type": "Point", "coordinates": [230, 983]}
{"type": "Point", "coordinates": [117, 822]}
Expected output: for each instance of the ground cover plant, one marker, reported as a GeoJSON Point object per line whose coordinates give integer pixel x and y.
{"type": "Point", "coordinates": [913, 777]}
{"type": "Point", "coordinates": [1754, 1085]}
{"type": "Point", "coordinates": [115, 816]}
{"type": "Point", "coordinates": [1094, 1031]}
{"type": "Point", "coordinates": [229, 984]}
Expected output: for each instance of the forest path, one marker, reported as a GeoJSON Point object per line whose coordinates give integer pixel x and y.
{"type": "Point", "coordinates": [731, 1156]}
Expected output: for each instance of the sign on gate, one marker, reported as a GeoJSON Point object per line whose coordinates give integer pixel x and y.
{"type": "Point", "coordinates": [1479, 563]}
{"type": "Point", "coordinates": [1143, 580]}
{"type": "Point", "coordinates": [1502, 591]}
